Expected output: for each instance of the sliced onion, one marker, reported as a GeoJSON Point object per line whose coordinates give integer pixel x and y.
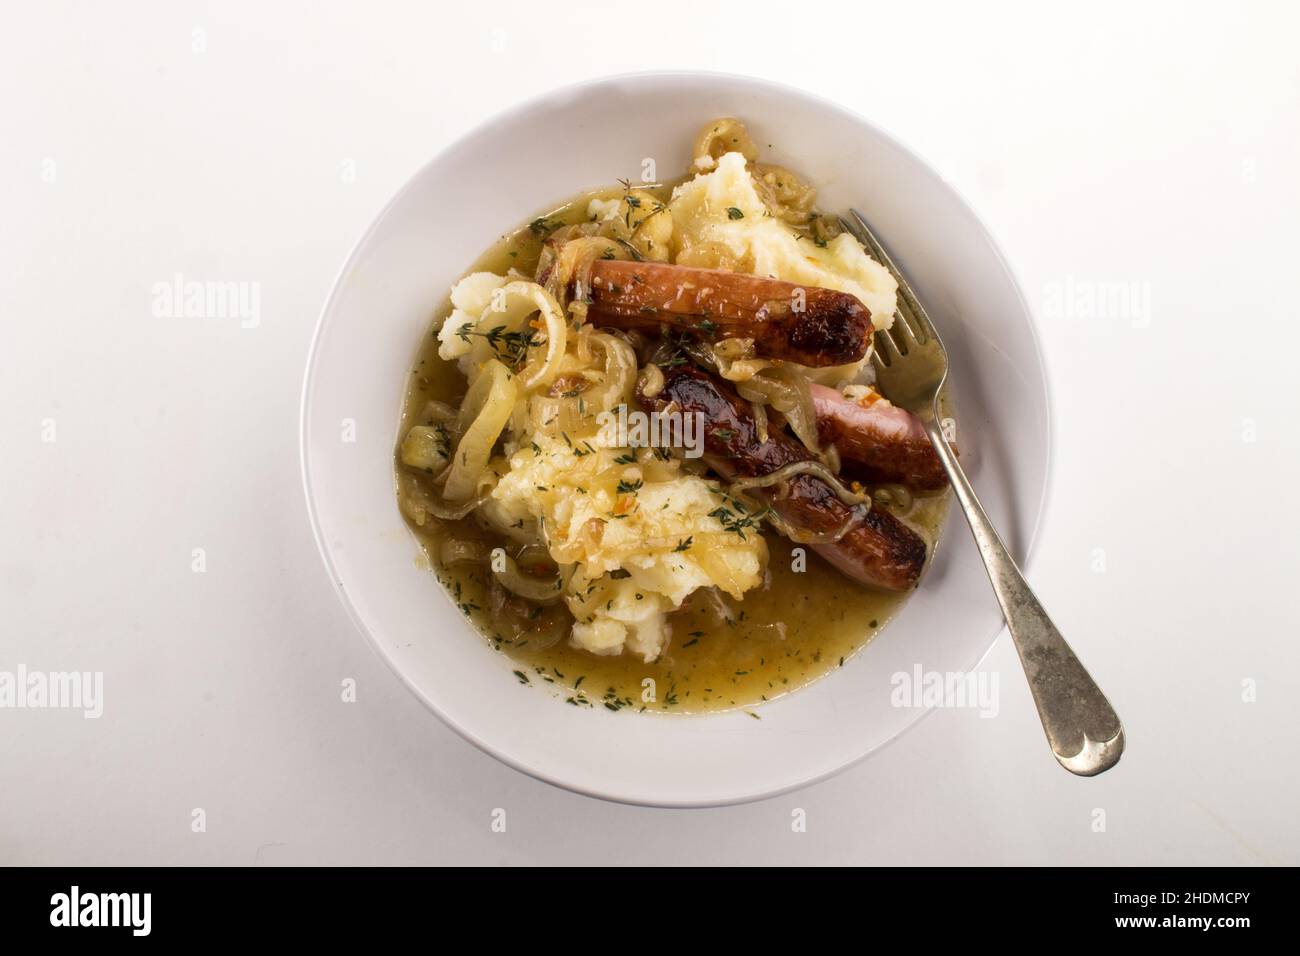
{"type": "Point", "coordinates": [418, 502]}
{"type": "Point", "coordinates": [439, 510]}
{"type": "Point", "coordinates": [460, 551]}
{"type": "Point", "coordinates": [493, 516]}
{"type": "Point", "coordinates": [650, 381]}
{"type": "Point", "coordinates": [856, 502]}
{"type": "Point", "coordinates": [786, 472]}
{"type": "Point", "coordinates": [800, 536]}
{"type": "Point", "coordinates": [440, 413]}
{"type": "Point", "coordinates": [534, 555]}
{"type": "Point", "coordinates": [802, 415]}
{"type": "Point", "coordinates": [538, 590]}
{"type": "Point", "coordinates": [521, 300]}
{"type": "Point", "coordinates": [573, 261]}
{"type": "Point", "coordinates": [583, 350]}
{"type": "Point", "coordinates": [551, 415]}
{"type": "Point", "coordinates": [722, 136]}
{"type": "Point", "coordinates": [760, 420]}
{"type": "Point", "coordinates": [895, 497]}
{"type": "Point", "coordinates": [619, 373]}
{"type": "Point", "coordinates": [424, 448]}
{"type": "Point", "coordinates": [831, 458]}
{"type": "Point", "coordinates": [487, 408]}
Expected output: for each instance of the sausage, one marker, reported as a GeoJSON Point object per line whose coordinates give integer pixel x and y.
{"type": "Point", "coordinates": [804, 324]}
{"type": "Point", "coordinates": [878, 442]}
{"type": "Point", "coordinates": [879, 551]}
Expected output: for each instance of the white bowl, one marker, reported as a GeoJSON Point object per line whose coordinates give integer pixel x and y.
{"type": "Point", "coordinates": [521, 163]}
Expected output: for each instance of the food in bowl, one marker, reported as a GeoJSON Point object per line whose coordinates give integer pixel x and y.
{"type": "Point", "coordinates": [643, 450]}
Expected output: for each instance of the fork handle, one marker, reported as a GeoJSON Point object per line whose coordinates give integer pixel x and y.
{"type": "Point", "coordinates": [1082, 728]}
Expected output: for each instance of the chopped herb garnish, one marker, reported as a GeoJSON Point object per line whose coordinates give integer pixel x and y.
{"type": "Point", "coordinates": [737, 521]}
{"type": "Point", "coordinates": [511, 346]}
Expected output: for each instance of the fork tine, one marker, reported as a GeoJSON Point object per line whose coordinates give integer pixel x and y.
{"type": "Point", "coordinates": [910, 310]}
{"type": "Point", "coordinates": [885, 351]}
{"type": "Point", "coordinates": [905, 319]}
{"type": "Point", "coordinates": [898, 334]}
{"type": "Point", "coordinates": [906, 330]}
{"type": "Point", "coordinates": [908, 322]}
{"type": "Point", "coordinates": [873, 355]}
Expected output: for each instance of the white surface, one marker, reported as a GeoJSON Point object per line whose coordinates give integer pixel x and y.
{"type": "Point", "coordinates": [1155, 145]}
{"type": "Point", "coordinates": [417, 249]}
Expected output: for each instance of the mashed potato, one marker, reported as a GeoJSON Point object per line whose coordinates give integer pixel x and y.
{"type": "Point", "coordinates": [724, 207]}
{"type": "Point", "coordinates": [640, 535]}
{"type": "Point", "coordinates": [470, 298]}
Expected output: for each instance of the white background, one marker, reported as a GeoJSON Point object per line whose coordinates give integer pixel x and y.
{"type": "Point", "coordinates": [1148, 144]}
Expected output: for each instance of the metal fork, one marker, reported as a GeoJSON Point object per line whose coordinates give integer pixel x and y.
{"type": "Point", "coordinates": [911, 365]}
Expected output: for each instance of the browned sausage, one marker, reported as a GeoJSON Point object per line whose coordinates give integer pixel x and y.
{"type": "Point", "coordinates": [880, 551]}
{"type": "Point", "coordinates": [885, 443]}
{"type": "Point", "coordinates": [804, 324]}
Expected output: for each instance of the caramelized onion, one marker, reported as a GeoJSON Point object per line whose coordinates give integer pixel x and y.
{"type": "Point", "coordinates": [760, 420]}
{"type": "Point", "coordinates": [722, 136]}
{"type": "Point", "coordinates": [802, 414]}
{"type": "Point", "coordinates": [487, 408]}
{"type": "Point", "coordinates": [542, 591]}
{"type": "Point", "coordinates": [423, 448]}
{"type": "Point", "coordinates": [650, 381]}
{"type": "Point", "coordinates": [784, 193]}
{"type": "Point", "coordinates": [786, 472]}
{"type": "Point", "coordinates": [620, 373]}
{"type": "Point", "coordinates": [461, 551]}
{"type": "Point", "coordinates": [856, 502]}
{"type": "Point", "coordinates": [800, 536]}
{"type": "Point", "coordinates": [897, 498]}
{"type": "Point", "coordinates": [419, 503]}
{"type": "Point", "coordinates": [573, 261]}
{"type": "Point", "coordinates": [440, 413]}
